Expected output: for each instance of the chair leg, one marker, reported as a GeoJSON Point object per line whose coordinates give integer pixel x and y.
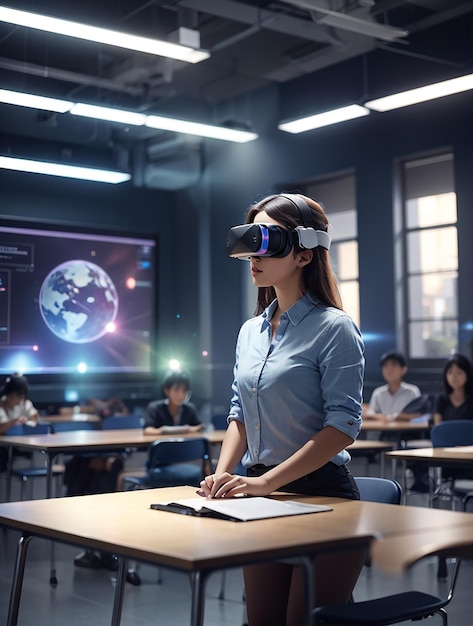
{"type": "Point", "coordinates": [221, 593]}
{"type": "Point", "coordinates": [443, 614]}
{"type": "Point", "coordinates": [442, 573]}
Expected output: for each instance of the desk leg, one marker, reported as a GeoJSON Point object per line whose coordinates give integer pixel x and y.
{"type": "Point", "coordinates": [119, 592]}
{"type": "Point", "coordinates": [17, 582]}
{"type": "Point", "coordinates": [306, 563]}
{"type": "Point", "coordinates": [198, 580]}
{"type": "Point", "coordinates": [52, 555]}
{"type": "Point", "coordinates": [404, 481]}
{"type": "Point", "coordinates": [8, 477]}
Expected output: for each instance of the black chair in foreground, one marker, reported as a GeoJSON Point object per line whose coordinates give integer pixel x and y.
{"type": "Point", "coordinates": [393, 609]}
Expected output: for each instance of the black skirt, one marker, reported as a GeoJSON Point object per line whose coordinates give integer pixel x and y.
{"type": "Point", "coordinates": [330, 480]}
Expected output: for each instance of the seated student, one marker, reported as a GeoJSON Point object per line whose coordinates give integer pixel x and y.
{"type": "Point", "coordinates": [174, 410]}
{"type": "Point", "coordinates": [456, 402]}
{"type": "Point", "coordinates": [388, 401]}
{"type": "Point", "coordinates": [15, 408]}
{"type": "Point", "coordinates": [174, 413]}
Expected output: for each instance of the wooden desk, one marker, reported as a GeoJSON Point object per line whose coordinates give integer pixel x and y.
{"type": "Point", "coordinates": [69, 417]}
{"type": "Point", "coordinates": [124, 525]}
{"type": "Point", "coordinates": [433, 457]}
{"type": "Point", "coordinates": [396, 426]}
{"type": "Point", "coordinates": [363, 447]}
{"type": "Point", "coordinates": [396, 554]}
{"type": "Point", "coordinates": [81, 441]}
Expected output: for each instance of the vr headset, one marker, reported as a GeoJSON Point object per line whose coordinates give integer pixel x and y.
{"type": "Point", "coordinates": [271, 240]}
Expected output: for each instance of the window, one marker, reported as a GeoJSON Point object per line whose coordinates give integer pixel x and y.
{"type": "Point", "coordinates": [337, 196]}
{"type": "Point", "coordinates": [431, 257]}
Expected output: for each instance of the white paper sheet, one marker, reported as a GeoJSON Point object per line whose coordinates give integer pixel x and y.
{"type": "Point", "coordinates": [246, 509]}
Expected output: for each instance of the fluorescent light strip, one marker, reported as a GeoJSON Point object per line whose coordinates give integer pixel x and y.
{"type": "Point", "coordinates": [202, 130]}
{"type": "Point", "coordinates": [324, 119]}
{"type": "Point", "coordinates": [34, 102]}
{"type": "Point", "coordinates": [102, 35]}
{"type": "Point", "coordinates": [66, 171]}
{"type": "Point", "coordinates": [108, 114]}
{"type": "Point", "coordinates": [422, 94]}
{"type": "Point", "coordinates": [126, 117]}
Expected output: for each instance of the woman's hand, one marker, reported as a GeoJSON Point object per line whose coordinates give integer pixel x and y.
{"type": "Point", "coordinates": [228, 485]}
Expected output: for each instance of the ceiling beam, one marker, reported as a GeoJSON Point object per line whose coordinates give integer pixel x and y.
{"type": "Point", "coordinates": [270, 20]}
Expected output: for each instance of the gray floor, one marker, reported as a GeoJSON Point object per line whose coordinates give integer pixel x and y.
{"type": "Point", "coordinates": [85, 597]}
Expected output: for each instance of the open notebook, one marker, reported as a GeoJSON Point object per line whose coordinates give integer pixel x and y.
{"type": "Point", "coordinates": [239, 509]}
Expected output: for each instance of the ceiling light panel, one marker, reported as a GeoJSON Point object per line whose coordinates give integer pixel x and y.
{"type": "Point", "coordinates": [422, 94]}
{"type": "Point", "coordinates": [108, 114]}
{"type": "Point", "coordinates": [327, 118]}
{"type": "Point", "coordinates": [34, 102]}
{"type": "Point", "coordinates": [102, 35]}
{"type": "Point", "coordinates": [65, 171]}
{"type": "Point", "coordinates": [202, 130]}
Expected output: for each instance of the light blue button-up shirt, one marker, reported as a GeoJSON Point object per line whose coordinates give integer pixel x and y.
{"type": "Point", "coordinates": [309, 376]}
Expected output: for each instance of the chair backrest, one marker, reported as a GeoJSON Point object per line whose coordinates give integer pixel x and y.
{"type": "Point", "coordinates": [23, 429]}
{"type": "Point", "coordinates": [169, 451]}
{"type": "Point", "coordinates": [219, 422]}
{"type": "Point", "coordinates": [119, 422]}
{"type": "Point", "coordinates": [382, 490]}
{"type": "Point", "coordinates": [452, 433]}
{"type": "Point", "coordinates": [65, 427]}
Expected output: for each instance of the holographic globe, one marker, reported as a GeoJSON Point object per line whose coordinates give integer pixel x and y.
{"type": "Point", "coordinates": [78, 301]}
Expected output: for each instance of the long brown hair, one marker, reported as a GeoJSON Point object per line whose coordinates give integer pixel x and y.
{"type": "Point", "coordinates": [317, 277]}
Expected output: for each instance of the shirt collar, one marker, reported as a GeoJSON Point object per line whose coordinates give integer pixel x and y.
{"type": "Point", "coordinates": [296, 313]}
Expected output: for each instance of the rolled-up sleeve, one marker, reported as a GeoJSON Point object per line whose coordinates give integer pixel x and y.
{"type": "Point", "coordinates": [236, 412]}
{"type": "Point", "coordinates": [341, 363]}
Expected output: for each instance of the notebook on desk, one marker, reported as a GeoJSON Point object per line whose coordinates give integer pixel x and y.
{"type": "Point", "coordinates": [239, 509]}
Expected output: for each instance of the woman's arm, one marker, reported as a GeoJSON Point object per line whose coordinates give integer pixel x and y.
{"type": "Point", "coordinates": [437, 418]}
{"type": "Point", "coordinates": [233, 448]}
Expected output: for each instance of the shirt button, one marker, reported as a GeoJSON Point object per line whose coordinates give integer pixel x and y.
{"type": "Point", "coordinates": [350, 422]}
{"type": "Point", "coordinates": [254, 389]}
{"type": "Point", "coordinates": [257, 426]}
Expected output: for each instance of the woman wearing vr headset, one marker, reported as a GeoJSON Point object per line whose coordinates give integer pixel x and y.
{"type": "Point", "coordinates": [297, 394]}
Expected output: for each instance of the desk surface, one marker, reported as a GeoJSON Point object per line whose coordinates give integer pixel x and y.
{"type": "Point", "coordinates": [362, 445]}
{"type": "Point", "coordinates": [124, 524]}
{"type": "Point", "coordinates": [395, 426]}
{"type": "Point", "coordinates": [396, 554]}
{"type": "Point", "coordinates": [70, 417]}
{"type": "Point", "coordinates": [459, 454]}
{"type": "Point", "coordinates": [101, 439]}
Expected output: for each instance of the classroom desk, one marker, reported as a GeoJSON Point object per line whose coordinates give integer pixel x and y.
{"type": "Point", "coordinates": [364, 447]}
{"type": "Point", "coordinates": [124, 525]}
{"type": "Point", "coordinates": [84, 441]}
{"type": "Point", "coordinates": [69, 417]}
{"type": "Point", "coordinates": [433, 457]}
{"type": "Point", "coordinates": [396, 426]}
{"type": "Point", "coordinates": [396, 554]}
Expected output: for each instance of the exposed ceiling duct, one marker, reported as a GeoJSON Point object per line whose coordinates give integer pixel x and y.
{"type": "Point", "coordinates": [252, 44]}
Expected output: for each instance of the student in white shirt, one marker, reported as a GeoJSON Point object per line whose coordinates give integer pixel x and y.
{"type": "Point", "coordinates": [388, 401]}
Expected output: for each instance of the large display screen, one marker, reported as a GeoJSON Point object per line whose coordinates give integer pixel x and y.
{"type": "Point", "coordinates": [75, 302]}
